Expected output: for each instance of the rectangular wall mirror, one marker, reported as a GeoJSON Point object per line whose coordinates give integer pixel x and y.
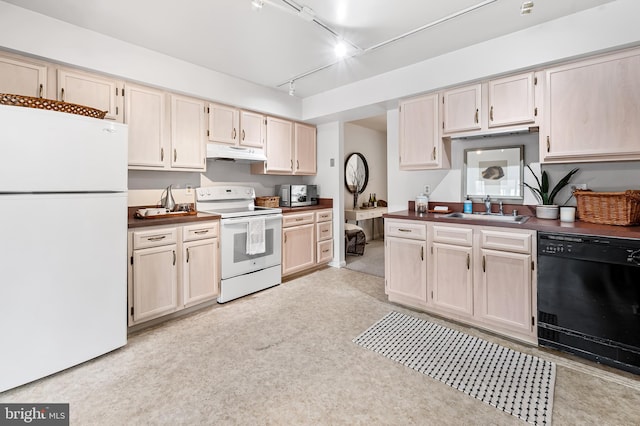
{"type": "Point", "coordinates": [496, 172]}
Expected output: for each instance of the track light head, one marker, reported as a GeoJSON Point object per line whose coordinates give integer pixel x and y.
{"type": "Point", "coordinates": [292, 88]}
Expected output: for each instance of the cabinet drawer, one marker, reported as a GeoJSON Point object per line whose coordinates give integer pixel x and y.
{"type": "Point", "coordinates": [411, 230]}
{"type": "Point", "coordinates": [298, 219]}
{"type": "Point", "coordinates": [506, 241]}
{"type": "Point", "coordinates": [324, 216]}
{"type": "Point", "coordinates": [324, 231]}
{"type": "Point", "coordinates": [453, 235]}
{"type": "Point", "coordinates": [154, 237]}
{"type": "Point", "coordinates": [325, 251]}
{"type": "Point", "coordinates": [200, 231]}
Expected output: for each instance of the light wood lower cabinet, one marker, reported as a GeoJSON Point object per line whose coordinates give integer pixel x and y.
{"type": "Point", "coordinates": [452, 279]}
{"type": "Point", "coordinates": [405, 262]}
{"type": "Point", "coordinates": [307, 240]}
{"type": "Point", "coordinates": [172, 268]}
{"type": "Point", "coordinates": [482, 276]}
{"type": "Point", "coordinates": [298, 242]}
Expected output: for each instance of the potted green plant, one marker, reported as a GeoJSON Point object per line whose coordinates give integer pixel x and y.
{"type": "Point", "coordinates": [547, 209]}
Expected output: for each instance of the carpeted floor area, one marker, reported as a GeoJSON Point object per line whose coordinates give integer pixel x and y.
{"type": "Point", "coordinates": [372, 262]}
{"type": "Point", "coordinates": [285, 356]}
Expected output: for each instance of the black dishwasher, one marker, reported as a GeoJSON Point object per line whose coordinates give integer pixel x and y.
{"type": "Point", "coordinates": [589, 297]}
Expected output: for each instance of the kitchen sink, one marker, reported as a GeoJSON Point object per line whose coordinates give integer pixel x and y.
{"type": "Point", "coordinates": [488, 217]}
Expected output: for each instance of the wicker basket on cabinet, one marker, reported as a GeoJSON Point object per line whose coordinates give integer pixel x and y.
{"type": "Point", "coordinates": [50, 104]}
{"type": "Point", "coordinates": [609, 208]}
{"type": "Point", "coordinates": [268, 201]}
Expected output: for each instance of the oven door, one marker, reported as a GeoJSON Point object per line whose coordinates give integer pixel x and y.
{"type": "Point", "coordinates": [234, 257]}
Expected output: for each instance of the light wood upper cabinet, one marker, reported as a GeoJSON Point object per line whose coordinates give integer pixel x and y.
{"type": "Point", "coordinates": [252, 129]}
{"type": "Point", "coordinates": [591, 110]}
{"type": "Point", "coordinates": [278, 148]}
{"type": "Point", "coordinates": [511, 100]}
{"type": "Point", "coordinates": [145, 114]}
{"type": "Point", "coordinates": [232, 126]}
{"type": "Point", "coordinates": [290, 149]}
{"type": "Point", "coordinates": [91, 90]}
{"type": "Point", "coordinates": [304, 149]}
{"type": "Point", "coordinates": [224, 123]}
{"type": "Point", "coordinates": [188, 133]}
{"type": "Point", "coordinates": [462, 109]}
{"type": "Point", "coordinates": [21, 77]}
{"type": "Point", "coordinates": [420, 144]}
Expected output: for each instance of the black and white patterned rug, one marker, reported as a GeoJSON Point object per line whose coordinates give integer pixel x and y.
{"type": "Point", "coordinates": [516, 383]}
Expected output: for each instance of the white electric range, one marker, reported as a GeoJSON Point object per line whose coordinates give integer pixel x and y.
{"type": "Point", "coordinates": [250, 239]}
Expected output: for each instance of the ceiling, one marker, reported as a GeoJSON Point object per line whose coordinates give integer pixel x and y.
{"type": "Point", "coordinates": [275, 45]}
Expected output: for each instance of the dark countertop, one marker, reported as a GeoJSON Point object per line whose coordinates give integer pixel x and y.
{"type": "Point", "coordinates": [323, 203]}
{"type": "Point", "coordinates": [134, 222]}
{"type": "Point", "coordinates": [577, 227]}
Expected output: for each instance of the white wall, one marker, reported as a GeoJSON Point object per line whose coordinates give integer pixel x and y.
{"type": "Point", "coordinates": [30, 33]}
{"type": "Point", "coordinates": [607, 27]}
{"type": "Point", "coordinates": [373, 146]}
{"type": "Point", "coordinates": [329, 179]}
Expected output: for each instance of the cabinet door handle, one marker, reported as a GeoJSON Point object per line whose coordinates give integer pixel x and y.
{"type": "Point", "coordinates": [484, 264]}
{"type": "Point", "coordinates": [243, 135]}
{"type": "Point", "coordinates": [421, 253]}
{"type": "Point", "coordinates": [161, 237]}
{"type": "Point", "coordinates": [476, 118]}
{"type": "Point", "coordinates": [297, 165]}
{"type": "Point", "coordinates": [175, 154]}
{"type": "Point", "coordinates": [62, 94]}
{"type": "Point", "coordinates": [404, 230]}
{"type": "Point", "coordinates": [40, 91]}
{"type": "Point", "coordinates": [233, 134]}
{"type": "Point", "coordinates": [468, 260]}
{"type": "Point", "coordinates": [174, 258]}
{"type": "Point", "coordinates": [291, 167]}
{"type": "Point", "coordinates": [161, 154]}
{"type": "Point", "coordinates": [434, 152]}
{"type": "Point", "coordinates": [491, 113]}
{"type": "Point", "coordinates": [187, 255]}
{"type": "Point", "coordinates": [204, 231]}
{"type": "Point", "coordinates": [548, 144]}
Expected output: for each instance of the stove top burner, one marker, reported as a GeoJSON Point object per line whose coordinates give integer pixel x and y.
{"type": "Point", "coordinates": [230, 201]}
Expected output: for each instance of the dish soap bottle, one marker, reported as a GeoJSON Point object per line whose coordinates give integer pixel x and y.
{"type": "Point", "coordinates": [468, 206]}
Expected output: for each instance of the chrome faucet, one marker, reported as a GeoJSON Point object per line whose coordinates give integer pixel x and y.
{"type": "Point", "coordinates": [487, 204]}
{"type": "Point", "coordinates": [501, 211]}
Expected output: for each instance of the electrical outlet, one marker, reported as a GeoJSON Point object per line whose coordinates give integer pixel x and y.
{"type": "Point", "coordinates": [427, 189]}
{"type": "Point", "coordinates": [579, 186]}
{"type": "Point", "coordinates": [189, 189]}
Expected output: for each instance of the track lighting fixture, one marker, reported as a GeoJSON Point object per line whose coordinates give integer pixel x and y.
{"type": "Point", "coordinates": [292, 88]}
{"type": "Point", "coordinates": [257, 4]}
{"type": "Point", "coordinates": [526, 8]}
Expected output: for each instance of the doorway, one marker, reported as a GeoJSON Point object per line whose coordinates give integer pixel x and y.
{"type": "Point", "coordinates": [369, 138]}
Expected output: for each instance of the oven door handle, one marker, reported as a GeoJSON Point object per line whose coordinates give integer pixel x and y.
{"type": "Point", "coordinates": [246, 219]}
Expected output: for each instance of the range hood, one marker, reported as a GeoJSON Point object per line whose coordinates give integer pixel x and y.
{"type": "Point", "coordinates": [234, 153]}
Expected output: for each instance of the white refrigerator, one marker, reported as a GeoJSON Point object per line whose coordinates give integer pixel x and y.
{"type": "Point", "coordinates": [63, 250]}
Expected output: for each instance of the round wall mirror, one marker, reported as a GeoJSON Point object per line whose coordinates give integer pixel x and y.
{"type": "Point", "coordinates": [356, 173]}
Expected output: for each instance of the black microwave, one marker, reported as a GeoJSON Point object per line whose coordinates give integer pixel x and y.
{"type": "Point", "coordinates": [297, 195]}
